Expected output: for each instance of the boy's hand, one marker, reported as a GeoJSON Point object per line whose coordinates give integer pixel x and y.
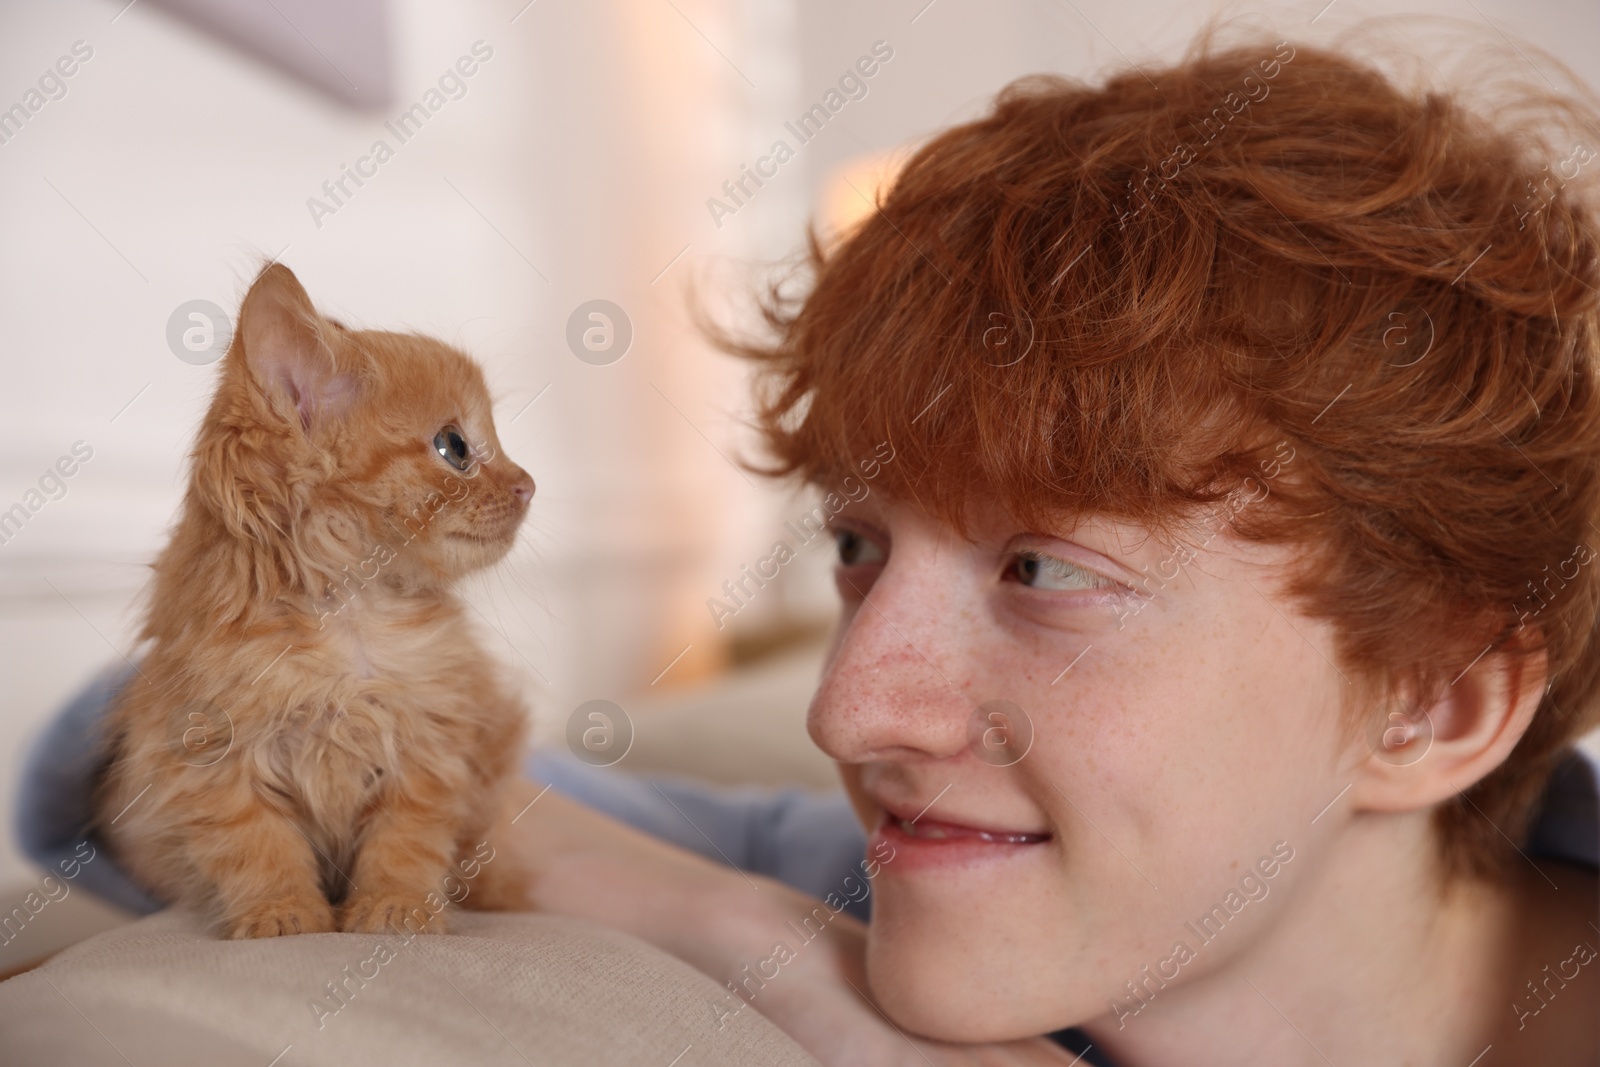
{"type": "Point", "coordinates": [720, 920]}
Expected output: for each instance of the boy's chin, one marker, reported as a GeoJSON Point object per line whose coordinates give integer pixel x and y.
{"type": "Point", "coordinates": [918, 990]}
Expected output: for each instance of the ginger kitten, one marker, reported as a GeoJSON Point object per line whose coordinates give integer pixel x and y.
{"type": "Point", "coordinates": [314, 740]}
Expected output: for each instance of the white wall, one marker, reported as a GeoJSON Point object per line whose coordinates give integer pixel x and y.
{"type": "Point", "coordinates": [590, 143]}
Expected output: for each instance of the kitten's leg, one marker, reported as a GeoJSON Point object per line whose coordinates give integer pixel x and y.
{"type": "Point", "coordinates": [401, 867]}
{"type": "Point", "coordinates": [494, 877]}
{"type": "Point", "coordinates": [263, 869]}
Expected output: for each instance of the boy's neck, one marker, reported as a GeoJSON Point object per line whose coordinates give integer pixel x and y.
{"type": "Point", "coordinates": [1371, 957]}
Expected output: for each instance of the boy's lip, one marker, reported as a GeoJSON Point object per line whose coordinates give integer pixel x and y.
{"type": "Point", "coordinates": [918, 825]}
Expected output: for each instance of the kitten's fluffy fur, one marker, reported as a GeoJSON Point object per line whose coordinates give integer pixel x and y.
{"type": "Point", "coordinates": [315, 741]}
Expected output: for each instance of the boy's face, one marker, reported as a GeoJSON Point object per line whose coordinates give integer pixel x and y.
{"type": "Point", "coordinates": [1182, 744]}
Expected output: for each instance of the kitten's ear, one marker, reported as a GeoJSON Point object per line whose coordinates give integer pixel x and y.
{"type": "Point", "coordinates": [286, 347]}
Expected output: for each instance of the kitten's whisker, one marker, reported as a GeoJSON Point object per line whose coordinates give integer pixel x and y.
{"type": "Point", "coordinates": [509, 643]}
{"type": "Point", "coordinates": [489, 596]}
{"type": "Point", "coordinates": [511, 598]}
{"type": "Point", "coordinates": [530, 588]}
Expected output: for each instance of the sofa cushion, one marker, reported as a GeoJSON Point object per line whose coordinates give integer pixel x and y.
{"type": "Point", "coordinates": [498, 989]}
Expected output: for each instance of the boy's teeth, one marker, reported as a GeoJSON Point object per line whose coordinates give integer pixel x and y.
{"type": "Point", "coordinates": [933, 831]}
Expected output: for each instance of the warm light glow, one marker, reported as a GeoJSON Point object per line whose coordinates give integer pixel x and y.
{"type": "Point", "coordinates": [852, 192]}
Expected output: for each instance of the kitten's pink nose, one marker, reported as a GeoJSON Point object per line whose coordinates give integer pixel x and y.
{"type": "Point", "coordinates": [523, 487]}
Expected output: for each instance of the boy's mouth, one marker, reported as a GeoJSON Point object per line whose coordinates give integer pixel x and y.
{"type": "Point", "coordinates": [926, 829]}
{"type": "Point", "coordinates": [923, 827]}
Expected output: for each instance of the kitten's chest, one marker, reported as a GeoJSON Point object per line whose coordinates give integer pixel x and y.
{"type": "Point", "coordinates": [383, 679]}
{"type": "Point", "coordinates": [388, 650]}
{"type": "Point", "coordinates": [381, 688]}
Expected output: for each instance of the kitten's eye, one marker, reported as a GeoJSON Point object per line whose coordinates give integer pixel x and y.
{"type": "Point", "coordinates": [453, 447]}
{"type": "Point", "coordinates": [1039, 571]}
{"type": "Point", "coordinates": [855, 550]}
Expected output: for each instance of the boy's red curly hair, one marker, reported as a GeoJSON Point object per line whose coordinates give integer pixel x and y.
{"type": "Point", "coordinates": [1189, 265]}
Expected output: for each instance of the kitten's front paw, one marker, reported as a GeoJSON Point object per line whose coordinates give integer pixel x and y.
{"type": "Point", "coordinates": [278, 916]}
{"type": "Point", "coordinates": [391, 910]}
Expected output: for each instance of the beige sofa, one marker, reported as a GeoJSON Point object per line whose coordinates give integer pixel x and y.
{"type": "Point", "coordinates": [508, 989]}
{"type": "Point", "coordinates": [499, 989]}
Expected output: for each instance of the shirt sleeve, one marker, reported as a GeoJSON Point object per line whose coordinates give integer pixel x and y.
{"type": "Point", "coordinates": [56, 802]}
{"type": "Point", "coordinates": [808, 840]}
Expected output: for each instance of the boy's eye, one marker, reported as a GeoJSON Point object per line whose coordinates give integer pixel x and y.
{"type": "Point", "coordinates": [1039, 571]}
{"type": "Point", "coordinates": [855, 550]}
{"type": "Point", "coordinates": [453, 447]}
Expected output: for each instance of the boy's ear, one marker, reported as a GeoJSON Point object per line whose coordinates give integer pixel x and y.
{"type": "Point", "coordinates": [288, 350]}
{"type": "Point", "coordinates": [1421, 755]}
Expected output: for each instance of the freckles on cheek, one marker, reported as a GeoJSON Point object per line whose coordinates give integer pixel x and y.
{"type": "Point", "coordinates": [1137, 708]}
{"type": "Point", "coordinates": [1095, 736]}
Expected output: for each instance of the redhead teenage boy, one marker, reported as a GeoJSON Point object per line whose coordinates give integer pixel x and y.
{"type": "Point", "coordinates": [1277, 543]}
